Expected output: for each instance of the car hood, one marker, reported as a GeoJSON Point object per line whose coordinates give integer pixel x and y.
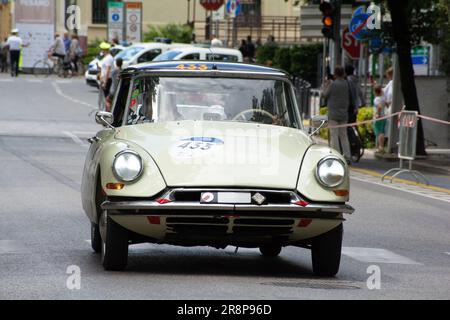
{"type": "Point", "coordinates": [222, 154]}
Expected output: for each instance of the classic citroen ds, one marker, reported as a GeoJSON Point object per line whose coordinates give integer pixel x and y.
{"type": "Point", "coordinates": [212, 154]}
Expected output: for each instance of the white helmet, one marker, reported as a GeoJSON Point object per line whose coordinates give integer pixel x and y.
{"type": "Point", "coordinates": [14, 31]}
{"type": "Point", "coordinates": [216, 43]}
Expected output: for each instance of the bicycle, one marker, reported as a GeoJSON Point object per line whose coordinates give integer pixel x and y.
{"type": "Point", "coordinates": [54, 65]}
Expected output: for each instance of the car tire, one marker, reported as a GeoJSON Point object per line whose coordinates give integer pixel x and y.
{"type": "Point", "coordinates": [270, 250]}
{"type": "Point", "coordinates": [96, 239]}
{"type": "Point", "coordinates": [326, 252]}
{"type": "Point", "coordinates": [115, 246]}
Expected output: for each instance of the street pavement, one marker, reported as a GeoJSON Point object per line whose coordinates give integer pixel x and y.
{"type": "Point", "coordinates": [400, 230]}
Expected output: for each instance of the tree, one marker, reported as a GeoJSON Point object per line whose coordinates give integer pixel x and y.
{"type": "Point", "coordinates": [175, 32]}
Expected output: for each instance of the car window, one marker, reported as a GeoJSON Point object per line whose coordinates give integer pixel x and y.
{"type": "Point", "coordinates": [149, 55]}
{"type": "Point", "coordinates": [120, 101]}
{"type": "Point", "coordinates": [192, 56]}
{"type": "Point", "coordinates": [222, 57]}
{"type": "Point", "coordinates": [129, 53]}
{"type": "Point", "coordinates": [162, 99]}
{"type": "Point", "coordinates": [167, 56]}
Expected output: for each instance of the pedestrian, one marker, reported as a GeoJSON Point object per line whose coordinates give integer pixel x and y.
{"type": "Point", "coordinates": [216, 42]}
{"type": "Point", "coordinates": [243, 48]}
{"type": "Point", "coordinates": [357, 96]}
{"type": "Point", "coordinates": [106, 68]}
{"type": "Point", "coordinates": [251, 50]}
{"type": "Point", "coordinates": [379, 112]}
{"type": "Point", "coordinates": [15, 45]}
{"type": "Point", "coordinates": [388, 98]}
{"type": "Point", "coordinates": [4, 56]}
{"type": "Point", "coordinates": [337, 94]}
{"type": "Point", "coordinates": [75, 53]}
{"type": "Point", "coordinates": [67, 41]}
{"type": "Point", "coordinates": [114, 82]}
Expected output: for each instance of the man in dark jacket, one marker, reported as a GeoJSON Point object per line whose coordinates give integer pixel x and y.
{"type": "Point", "coordinates": [337, 95]}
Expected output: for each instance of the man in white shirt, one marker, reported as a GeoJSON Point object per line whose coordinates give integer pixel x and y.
{"type": "Point", "coordinates": [106, 67]}
{"type": "Point", "coordinates": [15, 44]}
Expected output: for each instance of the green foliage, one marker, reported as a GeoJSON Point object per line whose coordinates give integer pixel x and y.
{"type": "Point", "coordinates": [365, 131]}
{"type": "Point", "coordinates": [299, 61]}
{"type": "Point", "coordinates": [177, 32]}
{"type": "Point", "coordinates": [265, 54]}
{"type": "Point", "coordinates": [92, 51]}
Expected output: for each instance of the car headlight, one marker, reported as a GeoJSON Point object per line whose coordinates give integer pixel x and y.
{"type": "Point", "coordinates": [128, 166]}
{"type": "Point", "coordinates": [330, 172]}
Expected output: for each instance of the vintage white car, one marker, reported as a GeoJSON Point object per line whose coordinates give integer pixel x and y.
{"type": "Point", "coordinates": [212, 154]}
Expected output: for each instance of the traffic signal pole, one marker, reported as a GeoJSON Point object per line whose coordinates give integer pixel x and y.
{"type": "Point", "coordinates": [337, 55]}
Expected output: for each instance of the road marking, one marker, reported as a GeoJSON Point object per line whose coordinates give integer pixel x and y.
{"type": "Point", "coordinates": [6, 80]}
{"type": "Point", "coordinates": [374, 255]}
{"type": "Point", "coordinates": [65, 96]}
{"type": "Point", "coordinates": [447, 253]}
{"type": "Point", "coordinates": [417, 190]}
{"type": "Point", "coordinates": [76, 139]}
{"type": "Point", "coordinates": [411, 183]}
{"type": "Point", "coordinates": [11, 247]}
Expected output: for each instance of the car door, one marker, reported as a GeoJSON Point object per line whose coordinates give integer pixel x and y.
{"type": "Point", "coordinates": [91, 167]}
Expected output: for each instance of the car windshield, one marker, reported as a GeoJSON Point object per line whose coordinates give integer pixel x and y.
{"type": "Point", "coordinates": [167, 56]}
{"type": "Point", "coordinates": [162, 99]}
{"type": "Point", "coordinates": [129, 53]}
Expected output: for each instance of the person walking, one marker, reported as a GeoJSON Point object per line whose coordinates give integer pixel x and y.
{"type": "Point", "coordinates": [379, 112]}
{"type": "Point", "coordinates": [67, 41]}
{"type": "Point", "coordinates": [337, 95]}
{"type": "Point", "coordinates": [15, 45]}
{"type": "Point", "coordinates": [114, 83]}
{"type": "Point", "coordinates": [357, 96]}
{"type": "Point", "coordinates": [3, 56]}
{"type": "Point", "coordinates": [250, 49]}
{"type": "Point", "coordinates": [75, 53]}
{"type": "Point", "coordinates": [243, 48]}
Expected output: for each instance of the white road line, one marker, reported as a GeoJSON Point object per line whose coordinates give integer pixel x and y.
{"type": "Point", "coordinates": [76, 139]}
{"type": "Point", "coordinates": [65, 96]}
{"type": "Point", "coordinates": [374, 255]}
{"type": "Point", "coordinates": [447, 253]}
{"type": "Point", "coordinates": [6, 80]}
{"type": "Point", "coordinates": [34, 80]}
{"type": "Point", "coordinates": [417, 191]}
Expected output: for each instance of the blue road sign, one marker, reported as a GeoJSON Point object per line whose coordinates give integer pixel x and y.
{"type": "Point", "coordinates": [420, 60]}
{"type": "Point", "coordinates": [115, 17]}
{"type": "Point", "coordinates": [233, 6]}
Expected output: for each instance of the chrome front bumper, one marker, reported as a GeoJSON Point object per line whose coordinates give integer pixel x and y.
{"type": "Point", "coordinates": [312, 210]}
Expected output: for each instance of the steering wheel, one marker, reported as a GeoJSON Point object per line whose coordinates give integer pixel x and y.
{"type": "Point", "coordinates": [243, 113]}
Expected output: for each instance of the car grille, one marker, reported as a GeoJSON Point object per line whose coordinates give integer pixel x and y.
{"type": "Point", "coordinates": [271, 196]}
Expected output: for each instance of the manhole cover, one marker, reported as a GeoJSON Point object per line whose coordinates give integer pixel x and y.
{"type": "Point", "coordinates": [316, 284]}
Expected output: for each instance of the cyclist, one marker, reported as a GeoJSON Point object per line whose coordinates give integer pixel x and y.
{"type": "Point", "coordinates": [58, 49]}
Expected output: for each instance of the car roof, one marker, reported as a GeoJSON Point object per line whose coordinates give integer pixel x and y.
{"type": "Point", "coordinates": [207, 50]}
{"type": "Point", "coordinates": [175, 66]}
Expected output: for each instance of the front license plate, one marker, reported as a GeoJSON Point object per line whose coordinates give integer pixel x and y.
{"type": "Point", "coordinates": [226, 197]}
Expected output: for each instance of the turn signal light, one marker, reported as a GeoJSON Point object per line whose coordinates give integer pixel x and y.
{"type": "Point", "coordinates": [115, 186]}
{"type": "Point", "coordinates": [301, 203]}
{"type": "Point", "coordinates": [163, 201]}
{"type": "Point", "coordinates": [341, 193]}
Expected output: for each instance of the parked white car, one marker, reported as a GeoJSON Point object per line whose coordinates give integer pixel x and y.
{"type": "Point", "coordinates": [145, 52]}
{"type": "Point", "coordinates": [200, 53]}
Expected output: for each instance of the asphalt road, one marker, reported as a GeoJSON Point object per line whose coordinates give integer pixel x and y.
{"type": "Point", "coordinates": [43, 230]}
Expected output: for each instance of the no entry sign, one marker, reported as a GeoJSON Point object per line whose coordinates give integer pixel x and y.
{"type": "Point", "coordinates": [212, 5]}
{"type": "Point", "coordinates": [351, 45]}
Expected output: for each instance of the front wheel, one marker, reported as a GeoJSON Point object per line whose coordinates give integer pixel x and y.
{"type": "Point", "coordinates": [114, 244]}
{"type": "Point", "coordinates": [41, 68]}
{"type": "Point", "coordinates": [96, 239]}
{"type": "Point", "coordinates": [326, 252]}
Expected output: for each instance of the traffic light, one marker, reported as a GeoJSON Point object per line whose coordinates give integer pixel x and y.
{"type": "Point", "coordinates": [329, 15]}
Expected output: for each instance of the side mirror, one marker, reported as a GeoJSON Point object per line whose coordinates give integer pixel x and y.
{"type": "Point", "coordinates": [318, 122]}
{"type": "Point", "coordinates": [105, 119]}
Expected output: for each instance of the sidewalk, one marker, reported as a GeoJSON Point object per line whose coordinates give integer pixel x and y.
{"type": "Point", "coordinates": [436, 168]}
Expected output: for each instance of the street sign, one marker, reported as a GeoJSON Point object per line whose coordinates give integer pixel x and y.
{"type": "Point", "coordinates": [351, 45]}
{"type": "Point", "coordinates": [115, 20]}
{"type": "Point", "coordinates": [133, 21]}
{"type": "Point", "coordinates": [358, 24]}
{"type": "Point", "coordinates": [211, 5]}
{"type": "Point", "coordinates": [233, 8]}
{"type": "Point", "coordinates": [420, 60]}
